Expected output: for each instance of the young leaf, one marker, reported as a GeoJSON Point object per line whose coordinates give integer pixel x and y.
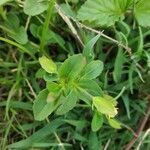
{"type": "Point", "coordinates": [114, 123]}
{"type": "Point", "coordinates": [97, 121]}
{"type": "Point", "coordinates": [44, 105]}
{"type": "Point", "coordinates": [103, 12]}
{"type": "Point", "coordinates": [92, 70]}
{"type": "Point", "coordinates": [68, 103]}
{"type": "Point", "coordinates": [142, 12]}
{"type": "Point", "coordinates": [88, 49]}
{"type": "Point", "coordinates": [35, 7]}
{"type": "Point", "coordinates": [105, 105]}
{"type": "Point", "coordinates": [48, 65]}
{"type": "Point", "coordinates": [72, 67]}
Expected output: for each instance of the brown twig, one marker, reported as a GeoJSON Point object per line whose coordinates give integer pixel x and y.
{"type": "Point", "coordinates": [65, 16]}
{"type": "Point", "coordinates": [69, 23]}
{"type": "Point", "coordinates": [139, 130]}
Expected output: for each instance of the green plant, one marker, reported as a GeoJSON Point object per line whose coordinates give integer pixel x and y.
{"type": "Point", "coordinates": [73, 80]}
{"type": "Point", "coordinates": [74, 74]}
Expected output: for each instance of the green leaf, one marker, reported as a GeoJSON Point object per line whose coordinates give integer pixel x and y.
{"type": "Point", "coordinates": [93, 142]}
{"type": "Point", "coordinates": [72, 67]}
{"type": "Point", "coordinates": [35, 7]}
{"type": "Point", "coordinates": [53, 87]}
{"type": "Point", "coordinates": [118, 68]}
{"type": "Point", "coordinates": [88, 49]}
{"type": "Point", "coordinates": [105, 105]}
{"type": "Point", "coordinates": [48, 65]}
{"type": "Point", "coordinates": [97, 121]}
{"type": "Point", "coordinates": [92, 70]}
{"type": "Point", "coordinates": [67, 9]}
{"type": "Point", "coordinates": [114, 123]}
{"type": "Point", "coordinates": [68, 103]}
{"type": "Point", "coordinates": [126, 102]}
{"type": "Point", "coordinates": [19, 35]}
{"type": "Point", "coordinates": [90, 86]}
{"type": "Point", "coordinates": [142, 12]}
{"type": "Point", "coordinates": [12, 22]}
{"type": "Point", "coordinates": [14, 30]}
{"type": "Point", "coordinates": [103, 12]}
{"type": "Point", "coordinates": [44, 105]}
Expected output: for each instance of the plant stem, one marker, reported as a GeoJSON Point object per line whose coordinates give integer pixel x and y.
{"type": "Point", "coordinates": [46, 26]}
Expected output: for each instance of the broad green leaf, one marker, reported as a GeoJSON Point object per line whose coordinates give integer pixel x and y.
{"type": "Point", "coordinates": [103, 12]}
{"type": "Point", "coordinates": [68, 103]}
{"type": "Point", "coordinates": [35, 7]}
{"type": "Point", "coordinates": [44, 105]}
{"type": "Point", "coordinates": [114, 123]}
{"type": "Point", "coordinates": [92, 70]}
{"type": "Point", "coordinates": [90, 86]}
{"type": "Point", "coordinates": [48, 65]}
{"type": "Point", "coordinates": [72, 67]}
{"type": "Point", "coordinates": [88, 49]}
{"type": "Point", "coordinates": [97, 121]}
{"type": "Point", "coordinates": [105, 105]}
{"type": "Point", "coordinates": [2, 2]}
{"type": "Point", "coordinates": [19, 35]}
{"type": "Point", "coordinates": [142, 12]}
